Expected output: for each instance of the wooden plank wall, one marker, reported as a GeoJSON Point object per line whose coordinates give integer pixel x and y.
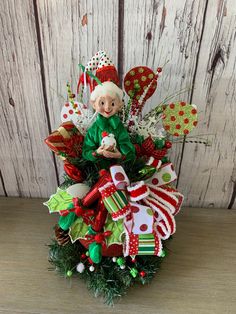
{"type": "Point", "coordinates": [42, 42]}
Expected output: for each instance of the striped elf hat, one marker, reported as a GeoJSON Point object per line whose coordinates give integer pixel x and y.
{"type": "Point", "coordinates": [104, 70]}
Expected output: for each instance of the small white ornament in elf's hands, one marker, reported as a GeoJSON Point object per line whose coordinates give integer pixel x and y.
{"type": "Point", "coordinates": [109, 141]}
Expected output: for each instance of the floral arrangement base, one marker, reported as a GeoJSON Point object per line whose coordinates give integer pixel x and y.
{"type": "Point", "coordinates": [118, 203]}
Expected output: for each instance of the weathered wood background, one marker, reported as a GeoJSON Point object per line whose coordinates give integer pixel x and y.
{"type": "Point", "coordinates": [42, 41]}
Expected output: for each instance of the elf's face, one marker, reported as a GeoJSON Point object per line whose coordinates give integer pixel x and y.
{"type": "Point", "coordinates": [107, 106]}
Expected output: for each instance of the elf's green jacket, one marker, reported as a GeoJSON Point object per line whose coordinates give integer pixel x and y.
{"type": "Point", "coordinates": [93, 139]}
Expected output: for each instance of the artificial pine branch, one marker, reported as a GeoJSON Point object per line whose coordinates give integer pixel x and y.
{"type": "Point", "coordinates": [108, 280]}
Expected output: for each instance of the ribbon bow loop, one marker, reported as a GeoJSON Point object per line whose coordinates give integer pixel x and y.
{"type": "Point", "coordinates": [99, 238]}
{"type": "Point", "coordinates": [148, 149]}
{"type": "Point", "coordinates": [76, 208]}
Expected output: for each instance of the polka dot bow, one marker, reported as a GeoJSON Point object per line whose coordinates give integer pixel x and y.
{"type": "Point", "coordinates": [155, 193]}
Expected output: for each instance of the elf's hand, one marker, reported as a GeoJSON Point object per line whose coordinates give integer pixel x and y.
{"type": "Point", "coordinates": [111, 148]}
{"type": "Point", "coordinates": [100, 150]}
{"type": "Point", "coordinates": [116, 154]}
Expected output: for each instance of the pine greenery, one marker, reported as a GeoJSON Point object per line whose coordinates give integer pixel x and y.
{"type": "Point", "coordinates": [108, 280]}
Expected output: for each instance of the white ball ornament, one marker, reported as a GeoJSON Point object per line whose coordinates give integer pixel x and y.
{"type": "Point", "coordinates": [122, 266]}
{"type": "Point", "coordinates": [91, 268]}
{"type": "Point", "coordinates": [78, 190]}
{"type": "Point", "coordinates": [80, 268]}
{"type": "Point", "coordinates": [114, 259]}
{"type": "Point", "coordinates": [108, 140]}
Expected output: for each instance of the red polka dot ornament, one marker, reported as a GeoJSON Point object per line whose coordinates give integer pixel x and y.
{"type": "Point", "coordinates": [140, 83]}
{"type": "Point", "coordinates": [179, 118]}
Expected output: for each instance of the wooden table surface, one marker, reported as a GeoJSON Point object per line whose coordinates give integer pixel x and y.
{"type": "Point", "coordinates": [198, 276]}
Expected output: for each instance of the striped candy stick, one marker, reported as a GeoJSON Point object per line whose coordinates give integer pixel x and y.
{"type": "Point", "coordinates": [142, 244]}
{"type": "Point", "coordinates": [115, 201]}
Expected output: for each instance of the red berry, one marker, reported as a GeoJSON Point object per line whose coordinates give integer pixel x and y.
{"type": "Point", "coordinates": [142, 273]}
{"type": "Point", "coordinates": [168, 144]}
{"type": "Point", "coordinates": [83, 256]}
{"type": "Point", "coordinates": [159, 70]}
{"type": "Point", "coordinates": [133, 260]}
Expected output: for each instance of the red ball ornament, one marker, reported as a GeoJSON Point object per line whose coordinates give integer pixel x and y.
{"type": "Point", "coordinates": [159, 70]}
{"type": "Point", "coordinates": [142, 273]}
{"type": "Point", "coordinates": [133, 260]}
{"type": "Point", "coordinates": [83, 256]}
{"type": "Point", "coordinates": [100, 218]}
{"type": "Point", "coordinates": [168, 144]}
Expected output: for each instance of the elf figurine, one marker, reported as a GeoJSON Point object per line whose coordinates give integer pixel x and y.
{"type": "Point", "coordinates": [107, 140]}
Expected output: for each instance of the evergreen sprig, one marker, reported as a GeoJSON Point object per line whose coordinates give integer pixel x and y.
{"type": "Point", "coordinates": [108, 280]}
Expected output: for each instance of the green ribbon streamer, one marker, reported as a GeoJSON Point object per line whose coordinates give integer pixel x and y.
{"type": "Point", "coordinates": [120, 261]}
{"type": "Point", "coordinates": [95, 252]}
{"type": "Point", "coordinates": [95, 249]}
{"type": "Point", "coordinates": [90, 74]}
{"type": "Point", "coordinates": [66, 221]}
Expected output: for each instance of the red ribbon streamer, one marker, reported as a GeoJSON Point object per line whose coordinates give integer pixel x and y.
{"type": "Point", "coordinates": [94, 193]}
{"type": "Point", "coordinates": [73, 172]}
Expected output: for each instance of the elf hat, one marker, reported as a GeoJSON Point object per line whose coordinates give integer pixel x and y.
{"type": "Point", "coordinates": [105, 70]}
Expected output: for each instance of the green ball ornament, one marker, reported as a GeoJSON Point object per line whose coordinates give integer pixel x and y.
{"type": "Point", "coordinates": [120, 261]}
{"type": "Point", "coordinates": [134, 272]}
{"type": "Point", "coordinates": [164, 160]}
{"type": "Point", "coordinates": [163, 253]}
{"type": "Point", "coordinates": [160, 143]}
{"type": "Point", "coordinates": [69, 273]}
